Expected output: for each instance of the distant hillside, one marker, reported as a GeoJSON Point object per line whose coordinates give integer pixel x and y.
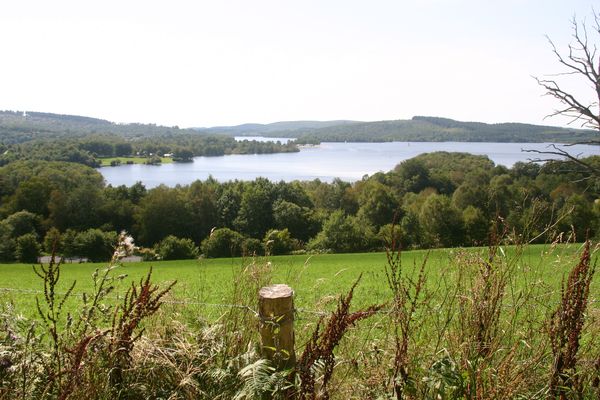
{"type": "Point", "coordinates": [17, 127]}
{"type": "Point", "coordinates": [434, 129]}
{"type": "Point", "coordinates": [285, 128]}
{"type": "Point", "coordinates": [417, 129]}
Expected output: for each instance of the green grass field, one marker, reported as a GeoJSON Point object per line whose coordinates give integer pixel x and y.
{"type": "Point", "coordinates": [318, 280]}
{"type": "Point", "coordinates": [136, 160]}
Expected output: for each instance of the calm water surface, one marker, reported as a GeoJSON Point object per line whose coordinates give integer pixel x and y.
{"type": "Point", "coordinates": [348, 161]}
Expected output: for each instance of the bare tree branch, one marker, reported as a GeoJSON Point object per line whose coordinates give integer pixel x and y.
{"type": "Point", "coordinates": [580, 59]}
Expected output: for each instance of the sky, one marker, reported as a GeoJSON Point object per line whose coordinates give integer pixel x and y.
{"type": "Point", "coordinates": [226, 62]}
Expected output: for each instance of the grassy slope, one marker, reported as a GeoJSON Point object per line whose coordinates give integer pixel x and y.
{"type": "Point", "coordinates": [136, 160]}
{"type": "Point", "coordinates": [317, 280]}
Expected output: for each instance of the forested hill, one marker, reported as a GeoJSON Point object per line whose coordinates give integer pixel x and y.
{"type": "Point", "coordinates": [19, 127]}
{"type": "Point", "coordinates": [90, 141]}
{"type": "Point", "coordinates": [426, 129]}
{"type": "Point", "coordinates": [285, 128]}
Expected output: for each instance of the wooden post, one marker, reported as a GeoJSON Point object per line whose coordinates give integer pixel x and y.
{"type": "Point", "coordinates": [276, 313]}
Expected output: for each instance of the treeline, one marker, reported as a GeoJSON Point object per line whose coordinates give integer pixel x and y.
{"type": "Point", "coordinates": [18, 127]}
{"type": "Point", "coordinates": [417, 129]}
{"type": "Point", "coordinates": [88, 150]}
{"type": "Point", "coordinates": [84, 140]}
{"type": "Point", "coordinates": [433, 200]}
{"type": "Point", "coordinates": [434, 129]}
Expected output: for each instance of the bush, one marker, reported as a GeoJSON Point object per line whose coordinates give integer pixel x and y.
{"type": "Point", "coordinates": [53, 241]}
{"type": "Point", "coordinates": [343, 234]}
{"type": "Point", "coordinates": [223, 242]}
{"type": "Point", "coordinates": [174, 248]}
{"type": "Point", "coordinates": [22, 222]}
{"type": "Point", "coordinates": [390, 236]}
{"type": "Point", "coordinates": [7, 243]}
{"type": "Point", "coordinates": [278, 242]}
{"type": "Point", "coordinates": [252, 247]}
{"type": "Point", "coordinates": [146, 253]}
{"type": "Point", "coordinates": [94, 244]}
{"type": "Point", "coordinates": [28, 249]}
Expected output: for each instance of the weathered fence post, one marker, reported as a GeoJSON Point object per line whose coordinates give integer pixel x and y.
{"type": "Point", "coordinates": [276, 312]}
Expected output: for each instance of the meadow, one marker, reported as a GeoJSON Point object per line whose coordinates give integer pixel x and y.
{"type": "Point", "coordinates": [106, 161]}
{"type": "Point", "coordinates": [460, 324]}
{"type": "Point", "coordinates": [318, 280]}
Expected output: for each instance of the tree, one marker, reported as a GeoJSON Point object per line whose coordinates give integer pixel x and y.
{"type": "Point", "coordinates": [278, 242]}
{"type": "Point", "coordinates": [22, 222]}
{"type": "Point", "coordinates": [256, 208]}
{"type": "Point", "coordinates": [411, 175]}
{"type": "Point", "coordinates": [174, 248]}
{"type": "Point", "coordinates": [27, 249]}
{"type": "Point", "coordinates": [222, 242]}
{"type": "Point", "coordinates": [53, 241]}
{"type": "Point", "coordinates": [343, 234]}
{"type": "Point", "coordinates": [201, 201]}
{"type": "Point", "coordinates": [163, 212]}
{"type": "Point", "coordinates": [580, 60]}
{"type": "Point", "coordinates": [95, 244]}
{"type": "Point", "coordinates": [298, 220]}
{"type": "Point", "coordinates": [7, 242]}
{"type": "Point", "coordinates": [378, 205]}
{"type": "Point", "coordinates": [441, 222]}
{"type": "Point", "coordinates": [123, 149]}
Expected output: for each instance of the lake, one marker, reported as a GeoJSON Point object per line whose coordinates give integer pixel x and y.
{"type": "Point", "coordinates": [348, 161]}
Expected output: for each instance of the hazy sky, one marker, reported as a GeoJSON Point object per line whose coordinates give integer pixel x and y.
{"type": "Point", "coordinates": [225, 62]}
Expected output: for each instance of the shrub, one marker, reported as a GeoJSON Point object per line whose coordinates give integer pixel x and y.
{"type": "Point", "coordinates": [95, 244]}
{"type": "Point", "coordinates": [252, 247]}
{"type": "Point", "coordinates": [278, 242]}
{"type": "Point", "coordinates": [53, 241]}
{"type": "Point", "coordinates": [343, 234]}
{"type": "Point", "coordinates": [222, 242]}
{"type": "Point", "coordinates": [22, 222]}
{"type": "Point", "coordinates": [7, 243]}
{"type": "Point", "coordinates": [174, 248]}
{"type": "Point", "coordinates": [27, 248]}
{"type": "Point", "coordinates": [146, 253]}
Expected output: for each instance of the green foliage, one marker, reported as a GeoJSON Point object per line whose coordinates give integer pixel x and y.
{"type": "Point", "coordinates": [344, 234]}
{"type": "Point", "coordinates": [300, 221]}
{"type": "Point", "coordinates": [22, 222]}
{"type": "Point", "coordinates": [7, 242]}
{"type": "Point", "coordinates": [93, 244]}
{"type": "Point", "coordinates": [538, 202]}
{"type": "Point", "coordinates": [477, 226]}
{"type": "Point", "coordinates": [27, 248]}
{"type": "Point", "coordinates": [378, 205]}
{"type": "Point", "coordinates": [222, 242]}
{"type": "Point", "coordinates": [252, 247]}
{"type": "Point", "coordinates": [161, 213]}
{"type": "Point", "coordinates": [277, 242]}
{"type": "Point", "coordinates": [52, 137]}
{"type": "Point", "coordinates": [255, 216]}
{"type": "Point", "coordinates": [174, 248]}
{"type": "Point", "coordinates": [442, 224]}
{"type": "Point", "coordinates": [435, 129]}
{"type": "Point", "coordinates": [53, 241]}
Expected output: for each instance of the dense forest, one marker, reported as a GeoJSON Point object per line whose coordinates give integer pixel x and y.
{"type": "Point", "coordinates": [52, 137]}
{"type": "Point", "coordinates": [433, 200]}
{"type": "Point", "coordinates": [417, 129]}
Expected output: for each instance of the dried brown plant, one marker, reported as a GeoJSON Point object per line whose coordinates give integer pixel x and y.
{"type": "Point", "coordinates": [319, 351]}
{"type": "Point", "coordinates": [566, 325]}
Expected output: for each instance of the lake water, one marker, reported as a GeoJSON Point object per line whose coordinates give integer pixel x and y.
{"type": "Point", "coordinates": [348, 161]}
